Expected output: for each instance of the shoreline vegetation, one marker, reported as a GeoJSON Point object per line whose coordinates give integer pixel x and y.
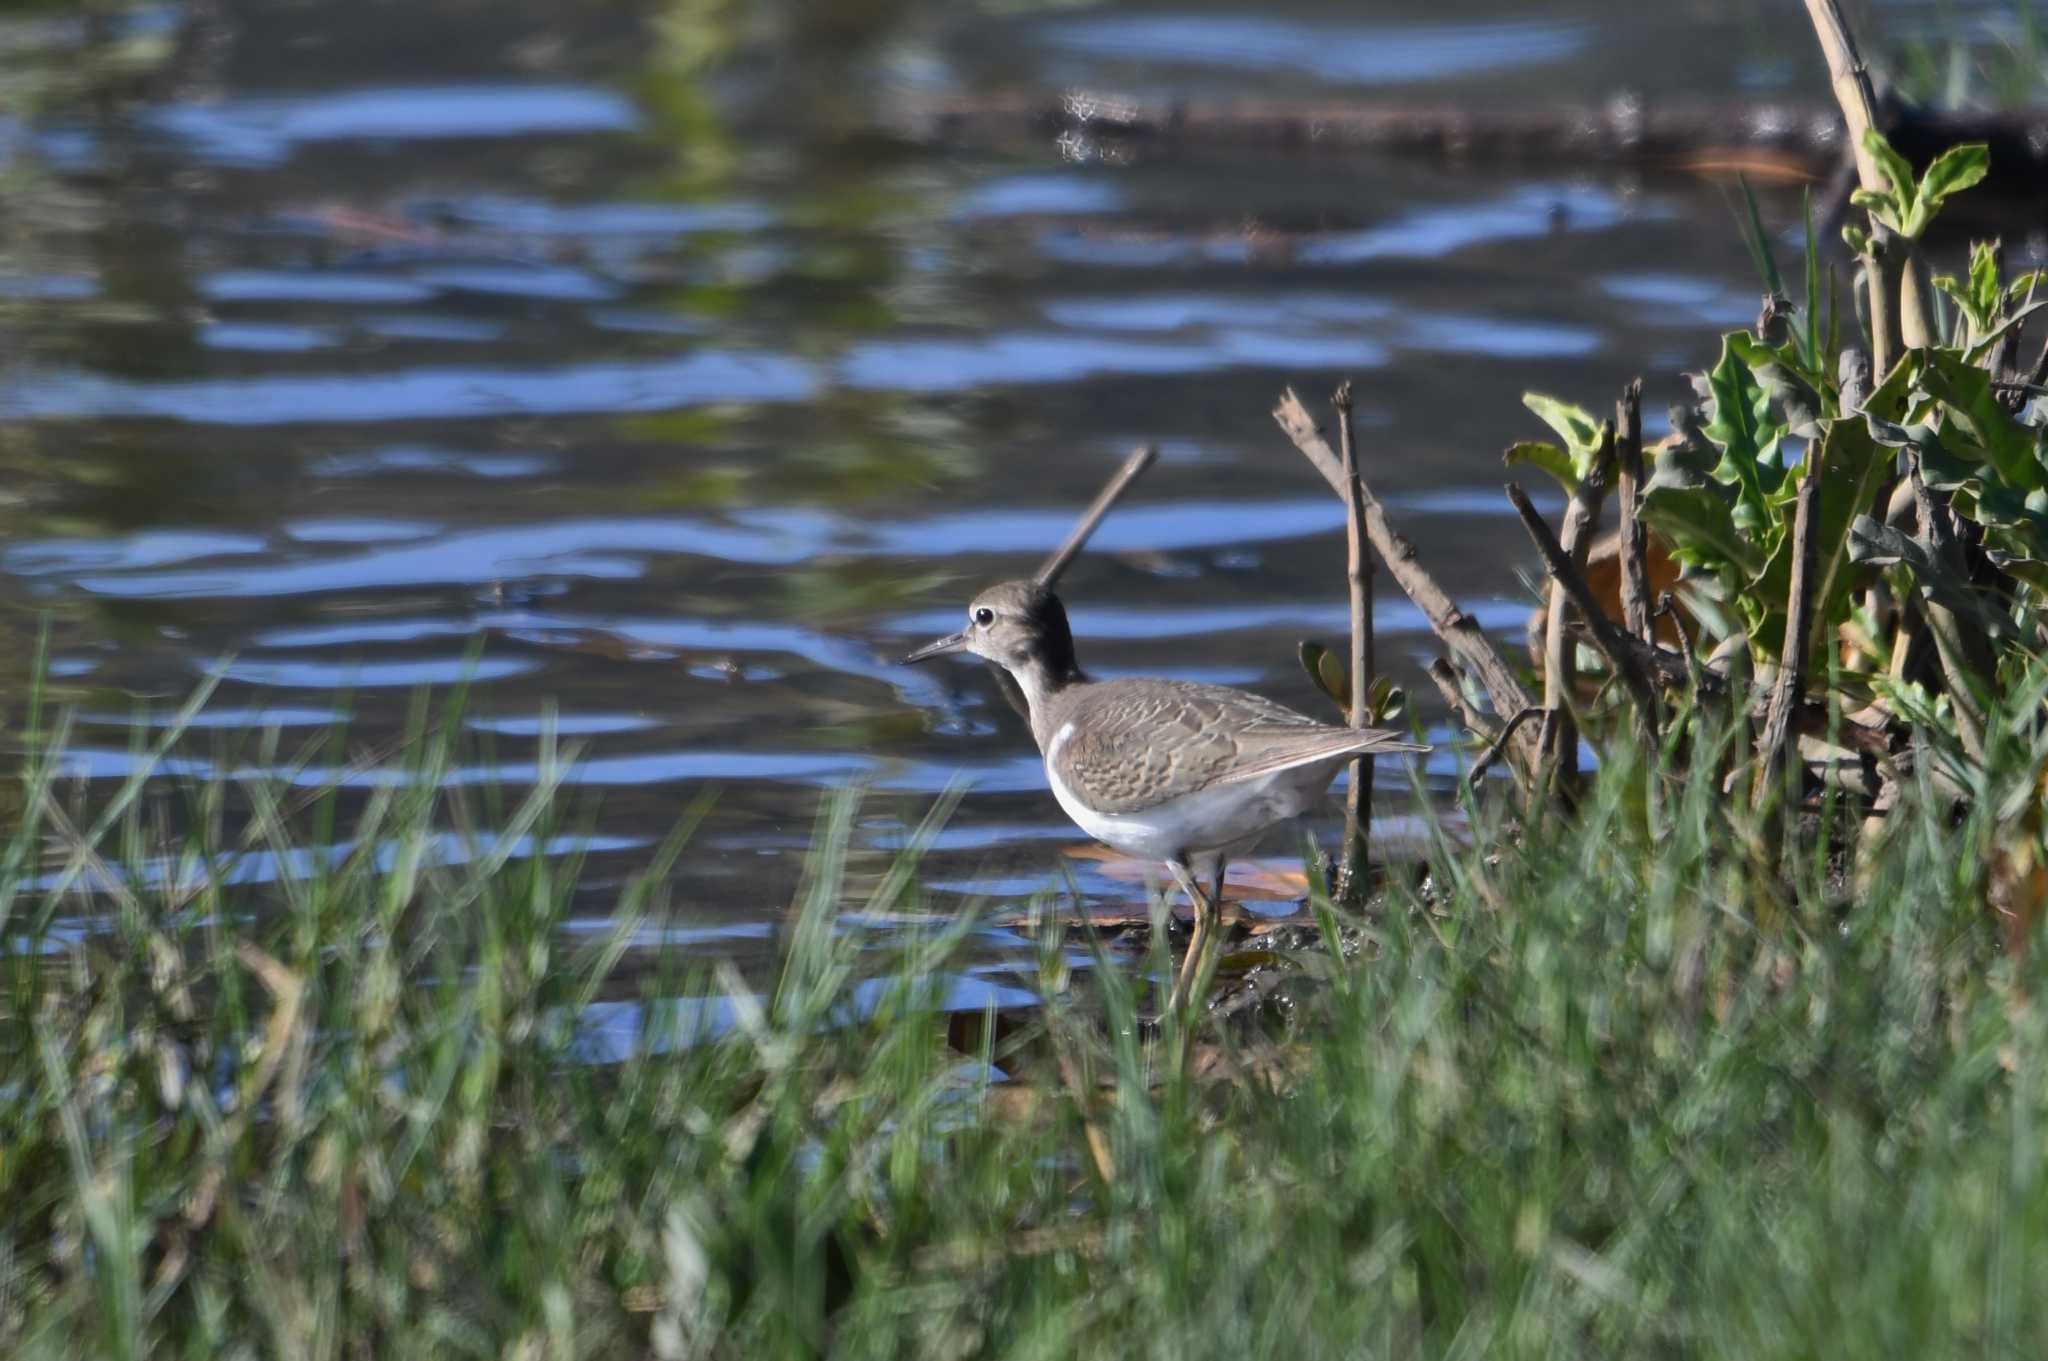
{"type": "Point", "coordinates": [1728, 1046]}
{"type": "Point", "coordinates": [1608, 1085]}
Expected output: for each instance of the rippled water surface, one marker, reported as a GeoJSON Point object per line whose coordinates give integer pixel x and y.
{"type": "Point", "coordinates": [655, 366]}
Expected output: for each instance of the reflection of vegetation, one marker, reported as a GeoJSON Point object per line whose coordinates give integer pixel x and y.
{"type": "Point", "coordinates": [836, 261]}
{"type": "Point", "coordinates": [1995, 58]}
{"type": "Point", "coordinates": [54, 59]}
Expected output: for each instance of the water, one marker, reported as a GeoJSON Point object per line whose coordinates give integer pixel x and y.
{"type": "Point", "coordinates": [630, 359]}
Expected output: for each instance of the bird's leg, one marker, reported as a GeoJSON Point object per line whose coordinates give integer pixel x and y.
{"type": "Point", "coordinates": [1208, 910]}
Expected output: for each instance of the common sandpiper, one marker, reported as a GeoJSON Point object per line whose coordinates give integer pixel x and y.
{"type": "Point", "coordinates": [1158, 769]}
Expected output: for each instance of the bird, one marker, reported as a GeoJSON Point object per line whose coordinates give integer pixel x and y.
{"type": "Point", "coordinates": [1173, 771]}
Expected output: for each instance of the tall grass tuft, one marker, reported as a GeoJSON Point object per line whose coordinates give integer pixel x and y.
{"type": "Point", "coordinates": [1629, 1087]}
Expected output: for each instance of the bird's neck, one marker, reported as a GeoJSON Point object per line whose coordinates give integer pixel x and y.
{"type": "Point", "coordinates": [1040, 678]}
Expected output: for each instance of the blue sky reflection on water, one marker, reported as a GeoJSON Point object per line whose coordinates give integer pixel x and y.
{"type": "Point", "coordinates": [671, 422]}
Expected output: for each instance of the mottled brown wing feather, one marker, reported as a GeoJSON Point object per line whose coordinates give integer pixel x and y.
{"type": "Point", "coordinates": [1135, 744]}
{"type": "Point", "coordinates": [1285, 752]}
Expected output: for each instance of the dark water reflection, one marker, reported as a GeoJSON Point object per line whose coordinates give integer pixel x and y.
{"type": "Point", "coordinates": [634, 346]}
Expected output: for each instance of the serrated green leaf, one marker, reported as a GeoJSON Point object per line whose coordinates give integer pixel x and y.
{"type": "Point", "coordinates": [1952, 172]}
{"type": "Point", "coordinates": [1742, 428]}
{"type": "Point", "coordinates": [1574, 425]}
{"type": "Point", "coordinates": [1698, 529]}
{"type": "Point", "coordinates": [1971, 410]}
{"type": "Point", "coordinates": [1548, 457]}
{"type": "Point", "coordinates": [1984, 289]}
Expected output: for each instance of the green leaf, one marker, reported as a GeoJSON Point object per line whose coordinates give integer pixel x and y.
{"type": "Point", "coordinates": [1548, 457]}
{"type": "Point", "coordinates": [1984, 290]}
{"type": "Point", "coordinates": [2033, 571]}
{"type": "Point", "coordinates": [1326, 670]}
{"type": "Point", "coordinates": [1850, 465]}
{"type": "Point", "coordinates": [1953, 171]}
{"type": "Point", "coordinates": [1759, 242]}
{"type": "Point", "coordinates": [1574, 425]}
{"type": "Point", "coordinates": [1386, 701]}
{"type": "Point", "coordinates": [1971, 409]}
{"type": "Point", "coordinates": [1895, 167]}
{"type": "Point", "coordinates": [1697, 525]}
{"type": "Point", "coordinates": [1742, 428]}
{"type": "Point", "coordinates": [1881, 545]}
{"type": "Point", "coordinates": [1336, 679]}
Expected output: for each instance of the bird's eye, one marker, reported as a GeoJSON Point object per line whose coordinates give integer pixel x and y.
{"type": "Point", "coordinates": [984, 616]}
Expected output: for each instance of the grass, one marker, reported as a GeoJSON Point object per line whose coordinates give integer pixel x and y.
{"type": "Point", "coordinates": [1617, 1090]}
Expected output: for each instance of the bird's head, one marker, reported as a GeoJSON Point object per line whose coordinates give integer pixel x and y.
{"type": "Point", "coordinates": [1019, 625]}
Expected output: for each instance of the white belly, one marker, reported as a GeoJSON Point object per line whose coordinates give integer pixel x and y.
{"type": "Point", "coordinates": [1226, 818]}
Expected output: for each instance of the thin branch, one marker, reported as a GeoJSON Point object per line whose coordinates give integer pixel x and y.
{"type": "Point", "coordinates": [1897, 301]}
{"type": "Point", "coordinates": [1459, 631]}
{"type": "Point", "coordinates": [1612, 642]}
{"type": "Point", "coordinates": [1791, 686]}
{"type": "Point", "coordinates": [1358, 575]}
{"type": "Point", "coordinates": [1559, 673]}
{"type": "Point", "coordinates": [1499, 744]}
{"type": "Point", "coordinates": [1634, 545]}
{"type": "Point", "coordinates": [1140, 459]}
{"type": "Point", "coordinates": [1667, 604]}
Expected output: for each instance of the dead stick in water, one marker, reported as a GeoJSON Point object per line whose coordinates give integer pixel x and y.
{"type": "Point", "coordinates": [1612, 642]}
{"type": "Point", "coordinates": [1459, 631]}
{"type": "Point", "coordinates": [1358, 574]}
{"type": "Point", "coordinates": [1138, 462]}
{"type": "Point", "coordinates": [1635, 551]}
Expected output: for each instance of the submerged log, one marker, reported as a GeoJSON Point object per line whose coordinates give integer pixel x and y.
{"type": "Point", "coordinates": [1794, 139]}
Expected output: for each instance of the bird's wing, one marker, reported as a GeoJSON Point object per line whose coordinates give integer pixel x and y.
{"type": "Point", "coordinates": [1130, 748]}
{"type": "Point", "coordinates": [1265, 754]}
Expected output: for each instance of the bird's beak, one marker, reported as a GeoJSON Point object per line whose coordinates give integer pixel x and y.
{"type": "Point", "coordinates": [938, 647]}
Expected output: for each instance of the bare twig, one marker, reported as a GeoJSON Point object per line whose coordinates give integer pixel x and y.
{"type": "Point", "coordinates": [1791, 686]}
{"type": "Point", "coordinates": [1851, 82]}
{"type": "Point", "coordinates": [1358, 573]}
{"type": "Point", "coordinates": [1667, 604]}
{"type": "Point", "coordinates": [1458, 630]}
{"type": "Point", "coordinates": [1635, 551]}
{"type": "Point", "coordinates": [1559, 673]}
{"type": "Point", "coordinates": [1897, 302]}
{"type": "Point", "coordinates": [1138, 462]}
{"type": "Point", "coordinates": [1499, 744]}
{"type": "Point", "coordinates": [1612, 642]}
